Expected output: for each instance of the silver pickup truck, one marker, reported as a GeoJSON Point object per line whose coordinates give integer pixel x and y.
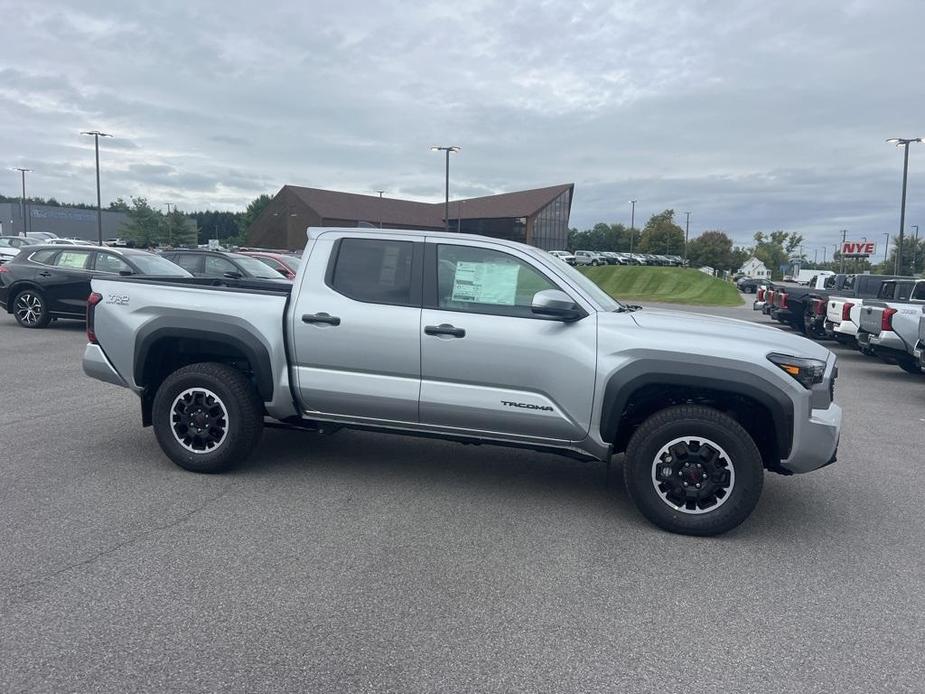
{"type": "Point", "coordinates": [890, 329]}
{"type": "Point", "coordinates": [477, 340]}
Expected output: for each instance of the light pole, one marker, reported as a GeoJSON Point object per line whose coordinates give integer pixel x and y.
{"type": "Point", "coordinates": [824, 249]}
{"type": "Point", "coordinates": [687, 230]}
{"type": "Point", "coordinates": [22, 200]}
{"type": "Point", "coordinates": [99, 208]}
{"type": "Point", "coordinates": [903, 142]}
{"type": "Point", "coordinates": [844, 234]}
{"type": "Point", "coordinates": [632, 223]}
{"type": "Point", "coordinates": [380, 207]}
{"type": "Point", "coordinates": [886, 246]}
{"type": "Point", "coordinates": [446, 201]}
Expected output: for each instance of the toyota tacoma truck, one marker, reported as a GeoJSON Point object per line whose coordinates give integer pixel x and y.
{"type": "Point", "coordinates": [857, 288]}
{"type": "Point", "coordinates": [475, 340]}
{"type": "Point", "coordinates": [890, 329]}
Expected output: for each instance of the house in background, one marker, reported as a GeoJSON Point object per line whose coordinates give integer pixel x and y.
{"type": "Point", "coordinates": [755, 268]}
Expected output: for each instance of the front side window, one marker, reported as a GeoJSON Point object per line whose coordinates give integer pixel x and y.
{"type": "Point", "coordinates": [375, 270]}
{"type": "Point", "coordinates": [73, 260]}
{"type": "Point", "coordinates": [481, 280]}
{"type": "Point", "coordinates": [107, 262]}
{"type": "Point", "coordinates": [216, 266]}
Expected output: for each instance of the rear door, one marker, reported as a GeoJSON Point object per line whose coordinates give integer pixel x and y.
{"type": "Point", "coordinates": [66, 282]}
{"type": "Point", "coordinates": [355, 327]}
{"type": "Point", "coordinates": [488, 363]}
{"type": "Point", "coordinates": [191, 262]}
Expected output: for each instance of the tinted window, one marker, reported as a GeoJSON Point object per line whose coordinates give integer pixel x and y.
{"type": "Point", "coordinates": [375, 270]}
{"type": "Point", "coordinates": [107, 262]}
{"type": "Point", "coordinates": [216, 266]}
{"type": "Point", "coordinates": [150, 264]}
{"type": "Point", "coordinates": [74, 260]}
{"type": "Point", "coordinates": [188, 261]}
{"type": "Point", "coordinates": [481, 280]}
{"type": "Point", "coordinates": [253, 267]}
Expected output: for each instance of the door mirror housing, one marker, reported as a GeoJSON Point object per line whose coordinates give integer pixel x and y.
{"type": "Point", "coordinates": [555, 303]}
{"type": "Point", "coordinates": [233, 275]}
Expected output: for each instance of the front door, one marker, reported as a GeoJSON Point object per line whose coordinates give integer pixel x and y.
{"type": "Point", "coordinates": [356, 329]}
{"type": "Point", "coordinates": [488, 363]}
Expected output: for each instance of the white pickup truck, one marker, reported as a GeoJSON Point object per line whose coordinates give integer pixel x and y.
{"type": "Point", "coordinates": [839, 323]}
{"type": "Point", "coordinates": [890, 329]}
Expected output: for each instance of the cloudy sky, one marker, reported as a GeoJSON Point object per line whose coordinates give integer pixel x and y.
{"type": "Point", "coordinates": [752, 115]}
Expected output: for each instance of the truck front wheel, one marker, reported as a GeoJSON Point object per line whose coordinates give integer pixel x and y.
{"type": "Point", "coordinates": [207, 417]}
{"type": "Point", "coordinates": [693, 470]}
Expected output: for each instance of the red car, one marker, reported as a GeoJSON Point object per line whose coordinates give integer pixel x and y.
{"type": "Point", "coordinates": [285, 264]}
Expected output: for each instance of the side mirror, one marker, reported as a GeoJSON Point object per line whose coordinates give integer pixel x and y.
{"type": "Point", "coordinates": [125, 273]}
{"type": "Point", "coordinates": [233, 275]}
{"type": "Point", "coordinates": [556, 304]}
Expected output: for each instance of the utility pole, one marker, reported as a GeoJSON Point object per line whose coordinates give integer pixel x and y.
{"type": "Point", "coordinates": [380, 207]}
{"type": "Point", "coordinates": [844, 234]}
{"type": "Point", "coordinates": [915, 244]}
{"type": "Point", "coordinates": [687, 230]}
{"type": "Point", "coordinates": [824, 249]}
{"type": "Point", "coordinates": [886, 247]}
{"type": "Point", "coordinates": [446, 201]}
{"type": "Point", "coordinates": [22, 200]}
{"type": "Point", "coordinates": [99, 208]}
{"type": "Point", "coordinates": [632, 223]}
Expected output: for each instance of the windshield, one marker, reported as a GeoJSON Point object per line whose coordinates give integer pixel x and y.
{"type": "Point", "coordinates": [256, 268]}
{"type": "Point", "coordinates": [151, 264]}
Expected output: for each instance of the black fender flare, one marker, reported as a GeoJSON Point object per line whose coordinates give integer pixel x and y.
{"type": "Point", "coordinates": [648, 372]}
{"type": "Point", "coordinates": [234, 336]}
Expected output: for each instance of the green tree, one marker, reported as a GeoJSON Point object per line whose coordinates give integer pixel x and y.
{"type": "Point", "coordinates": [913, 257]}
{"type": "Point", "coordinates": [712, 248]}
{"type": "Point", "coordinates": [144, 225]}
{"type": "Point", "coordinates": [739, 255]}
{"type": "Point", "coordinates": [179, 229]}
{"type": "Point", "coordinates": [662, 235]}
{"type": "Point", "coordinates": [776, 248]}
{"type": "Point", "coordinates": [254, 208]}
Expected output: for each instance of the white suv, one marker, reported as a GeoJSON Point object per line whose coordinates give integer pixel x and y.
{"type": "Point", "coordinates": [589, 258]}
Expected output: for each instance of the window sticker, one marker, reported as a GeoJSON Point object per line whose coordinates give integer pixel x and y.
{"type": "Point", "coordinates": [486, 283]}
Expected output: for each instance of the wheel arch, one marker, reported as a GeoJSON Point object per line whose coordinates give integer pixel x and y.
{"type": "Point", "coordinates": [646, 386]}
{"type": "Point", "coordinates": [16, 288]}
{"type": "Point", "coordinates": [163, 346]}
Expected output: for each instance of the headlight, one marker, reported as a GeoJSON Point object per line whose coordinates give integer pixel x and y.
{"type": "Point", "coordinates": [807, 371]}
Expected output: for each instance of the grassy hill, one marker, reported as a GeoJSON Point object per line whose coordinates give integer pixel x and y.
{"type": "Point", "coordinates": [668, 284]}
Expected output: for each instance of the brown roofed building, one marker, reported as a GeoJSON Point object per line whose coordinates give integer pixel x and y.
{"type": "Point", "coordinates": [538, 217]}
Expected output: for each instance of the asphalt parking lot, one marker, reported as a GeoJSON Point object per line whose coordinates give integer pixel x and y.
{"type": "Point", "coordinates": [368, 562]}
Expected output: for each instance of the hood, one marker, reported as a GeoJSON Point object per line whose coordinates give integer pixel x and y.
{"type": "Point", "coordinates": [683, 325]}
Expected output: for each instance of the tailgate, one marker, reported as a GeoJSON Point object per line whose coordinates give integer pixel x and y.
{"type": "Point", "coordinates": [871, 318]}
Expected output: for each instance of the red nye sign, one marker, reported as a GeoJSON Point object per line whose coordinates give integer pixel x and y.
{"type": "Point", "coordinates": [858, 249]}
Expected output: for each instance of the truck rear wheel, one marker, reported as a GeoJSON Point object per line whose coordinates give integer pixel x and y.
{"type": "Point", "coordinates": [207, 417]}
{"type": "Point", "coordinates": [693, 470]}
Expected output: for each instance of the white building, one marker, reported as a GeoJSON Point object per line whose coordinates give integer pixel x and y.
{"type": "Point", "coordinates": [754, 268]}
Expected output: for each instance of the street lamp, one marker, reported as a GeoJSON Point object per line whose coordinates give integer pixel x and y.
{"type": "Point", "coordinates": [99, 209]}
{"type": "Point", "coordinates": [915, 244]}
{"type": "Point", "coordinates": [886, 246]}
{"type": "Point", "coordinates": [687, 229]}
{"type": "Point", "coordinates": [446, 203]}
{"type": "Point", "coordinates": [22, 200]}
{"type": "Point", "coordinates": [903, 142]}
{"type": "Point", "coordinates": [380, 207]}
{"type": "Point", "coordinates": [632, 223]}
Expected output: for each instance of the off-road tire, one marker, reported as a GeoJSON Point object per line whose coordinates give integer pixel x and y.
{"type": "Point", "coordinates": [236, 396]}
{"type": "Point", "coordinates": [698, 421]}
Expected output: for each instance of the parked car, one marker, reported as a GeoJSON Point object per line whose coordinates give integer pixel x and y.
{"type": "Point", "coordinates": [40, 236]}
{"type": "Point", "coordinates": [612, 258]}
{"type": "Point", "coordinates": [564, 255]}
{"type": "Point", "coordinates": [205, 263]}
{"type": "Point", "coordinates": [10, 246]}
{"type": "Point", "coordinates": [641, 259]}
{"type": "Point", "coordinates": [68, 242]}
{"type": "Point", "coordinates": [477, 340]}
{"type": "Point", "coordinates": [589, 258]}
{"type": "Point", "coordinates": [919, 352]}
{"type": "Point", "coordinates": [749, 285]}
{"type": "Point", "coordinates": [629, 259]}
{"type": "Point", "coordinates": [890, 329]}
{"type": "Point", "coordinates": [285, 264]}
{"type": "Point", "coordinates": [47, 282]}
{"type": "Point", "coordinates": [790, 303]}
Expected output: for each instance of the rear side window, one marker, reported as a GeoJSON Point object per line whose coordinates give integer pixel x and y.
{"type": "Point", "coordinates": [919, 292]}
{"type": "Point", "coordinates": [45, 257]}
{"type": "Point", "coordinates": [216, 266]}
{"type": "Point", "coordinates": [189, 262]}
{"type": "Point", "coordinates": [74, 260]}
{"type": "Point", "coordinates": [375, 270]}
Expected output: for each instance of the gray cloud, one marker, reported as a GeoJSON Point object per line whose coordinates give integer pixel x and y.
{"type": "Point", "coordinates": [752, 115]}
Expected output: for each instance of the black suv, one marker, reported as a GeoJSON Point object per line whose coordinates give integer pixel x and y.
{"type": "Point", "coordinates": [205, 263]}
{"type": "Point", "coordinates": [45, 282]}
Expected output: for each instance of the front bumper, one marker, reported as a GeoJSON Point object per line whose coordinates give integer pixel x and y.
{"type": "Point", "coordinates": [96, 365]}
{"type": "Point", "coordinates": [815, 440]}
